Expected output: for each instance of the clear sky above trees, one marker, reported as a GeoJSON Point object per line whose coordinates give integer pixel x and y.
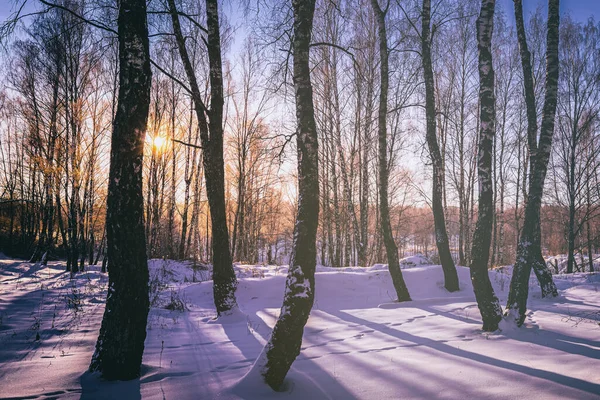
{"type": "Point", "coordinates": [580, 10]}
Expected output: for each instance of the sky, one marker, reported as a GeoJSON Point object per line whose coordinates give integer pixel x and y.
{"type": "Point", "coordinates": [580, 10]}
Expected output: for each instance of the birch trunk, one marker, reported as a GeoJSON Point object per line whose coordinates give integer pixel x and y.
{"type": "Point", "coordinates": [384, 209]}
{"type": "Point", "coordinates": [529, 251]}
{"type": "Point", "coordinates": [120, 345]}
{"type": "Point", "coordinates": [489, 306]}
{"type": "Point", "coordinates": [286, 339]}
{"type": "Point", "coordinates": [210, 122]}
{"type": "Point", "coordinates": [441, 235]}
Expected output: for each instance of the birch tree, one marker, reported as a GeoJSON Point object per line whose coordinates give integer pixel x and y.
{"type": "Point", "coordinates": [210, 124]}
{"type": "Point", "coordinates": [488, 303]}
{"type": "Point", "coordinates": [384, 209]}
{"type": "Point", "coordinates": [284, 344]}
{"type": "Point", "coordinates": [529, 248]}
{"type": "Point", "coordinates": [441, 234]}
{"type": "Point", "coordinates": [120, 345]}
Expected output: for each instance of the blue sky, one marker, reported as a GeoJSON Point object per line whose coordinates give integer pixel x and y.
{"type": "Point", "coordinates": [580, 10]}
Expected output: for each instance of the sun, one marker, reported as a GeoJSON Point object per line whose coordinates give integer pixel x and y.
{"type": "Point", "coordinates": [159, 142]}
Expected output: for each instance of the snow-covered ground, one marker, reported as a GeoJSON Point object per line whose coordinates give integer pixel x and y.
{"type": "Point", "coordinates": [358, 344]}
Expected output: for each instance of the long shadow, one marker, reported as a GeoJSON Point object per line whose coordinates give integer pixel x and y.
{"type": "Point", "coordinates": [574, 383]}
{"type": "Point", "coordinates": [31, 322]}
{"type": "Point", "coordinates": [24, 316]}
{"type": "Point", "coordinates": [11, 266]}
{"type": "Point", "coordinates": [410, 384]}
{"type": "Point", "coordinates": [254, 348]}
{"type": "Point", "coordinates": [551, 339]}
{"type": "Point", "coordinates": [389, 378]}
{"type": "Point", "coordinates": [451, 315]}
{"type": "Point", "coordinates": [94, 387]}
{"type": "Point", "coordinates": [558, 341]}
{"type": "Point", "coordinates": [549, 305]}
{"type": "Point", "coordinates": [32, 269]}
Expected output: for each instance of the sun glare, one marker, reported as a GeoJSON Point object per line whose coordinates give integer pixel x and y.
{"type": "Point", "coordinates": [159, 142]}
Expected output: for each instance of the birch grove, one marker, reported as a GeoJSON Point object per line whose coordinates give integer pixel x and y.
{"type": "Point", "coordinates": [347, 133]}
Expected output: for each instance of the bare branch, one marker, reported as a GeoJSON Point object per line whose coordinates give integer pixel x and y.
{"type": "Point", "coordinates": [169, 75]}
{"type": "Point", "coordinates": [195, 146]}
{"type": "Point", "coordinates": [93, 23]}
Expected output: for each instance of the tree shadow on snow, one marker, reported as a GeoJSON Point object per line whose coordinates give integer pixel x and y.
{"type": "Point", "coordinates": [250, 347]}
{"type": "Point", "coordinates": [555, 340]}
{"type": "Point", "coordinates": [96, 388]}
{"type": "Point", "coordinates": [560, 342]}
